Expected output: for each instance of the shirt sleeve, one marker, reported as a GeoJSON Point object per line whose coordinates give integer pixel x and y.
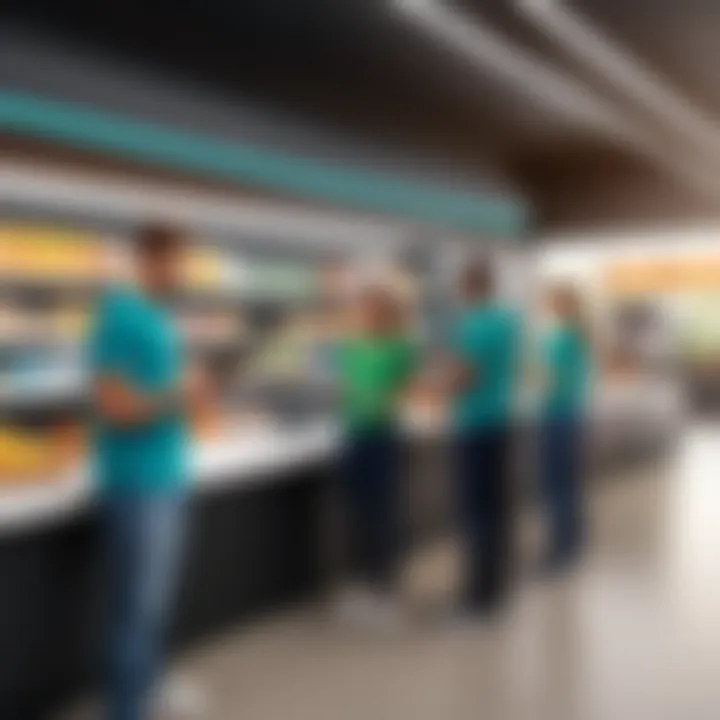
{"type": "Point", "coordinates": [458, 342]}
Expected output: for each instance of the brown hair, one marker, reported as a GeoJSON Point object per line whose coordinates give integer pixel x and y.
{"type": "Point", "coordinates": [477, 278]}
{"type": "Point", "coordinates": [158, 240]}
{"type": "Point", "coordinates": [389, 306]}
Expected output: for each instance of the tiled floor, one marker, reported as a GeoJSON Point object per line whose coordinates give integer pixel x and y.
{"type": "Point", "coordinates": [633, 634]}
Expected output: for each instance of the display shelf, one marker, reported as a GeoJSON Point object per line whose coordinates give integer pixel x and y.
{"type": "Point", "coordinates": [86, 287]}
{"type": "Point", "coordinates": [41, 389]}
{"type": "Point", "coordinates": [59, 344]}
{"type": "Point", "coordinates": [39, 341]}
{"type": "Point", "coordinates": [49, 388]}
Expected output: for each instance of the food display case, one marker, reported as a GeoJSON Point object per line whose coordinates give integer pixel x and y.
{"type": "Point", "coordinates": [236, 311]}
{"type": "Point", "coordinates": [262, 458]}
{"type": "Point", "coordinates": [259, 457]}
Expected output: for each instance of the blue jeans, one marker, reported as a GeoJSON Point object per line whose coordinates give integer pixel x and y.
{"type": "Point", "coordinates": [561, 485]}
{"type": "Point", "coordinates": [484, 494]}
{"type": "Point", "coordinates": [371, 469]}
{"type": "Point", "coordinates": [144, 540]}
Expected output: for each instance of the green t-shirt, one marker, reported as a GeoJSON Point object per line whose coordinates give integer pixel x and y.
{"type": "Point", "coordinates": [135, 338]}
{"type": "Point", "coordinates": [487, 340]}
{"type": "Point", "coordinates": [567, 365]}
{"type": "Point", "coordinates": [373, 373]}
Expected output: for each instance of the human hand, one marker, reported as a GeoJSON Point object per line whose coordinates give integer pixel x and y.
{"type": "Point", "coordinates": [197, 388]}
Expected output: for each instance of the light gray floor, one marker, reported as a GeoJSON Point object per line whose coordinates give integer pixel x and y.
{"type": "Point", "coordinates": [633, 634]}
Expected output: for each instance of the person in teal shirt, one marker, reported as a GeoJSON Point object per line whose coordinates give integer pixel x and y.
{"type": "Point", "coordinates": [134, 342]}
{"type": "Point", "coordinates": [141, 391]}
{"type": "Point", "coordinates": [566, 356]}
{"type": "Point", "coordinates": [485, 342]}
{"type": "Point", "coordinates": [485, 347]}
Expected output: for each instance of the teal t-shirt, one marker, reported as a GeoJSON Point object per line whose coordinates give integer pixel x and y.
{"type": "Point", "coordinates": [567, 366]}
{"type": "Point", "coordinates": [487, 340]}
{"type": "Point", "coordinates": [135, 338]}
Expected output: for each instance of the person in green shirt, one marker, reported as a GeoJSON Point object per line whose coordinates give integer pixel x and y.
{"type": "Point", "coordinates": [566, 358]}
{"type": "Point", "coordinates": [375, 362]}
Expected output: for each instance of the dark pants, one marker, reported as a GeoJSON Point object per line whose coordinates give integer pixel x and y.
{"type": "Point", "coordinates": [370, 479]}
{"type": "Point", "coordinates": [144, 540]}
{"type": "Point", "coordinates": [485, 499]}
{"type": "Point", "coordinates": [561, 484]}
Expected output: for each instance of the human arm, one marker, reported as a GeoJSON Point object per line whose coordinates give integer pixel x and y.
{"type": "Point", "coordinates": [461, 368]}
{"type": "Point", "coordinates": [122, 394]}
{"type": "Point", "coordinates": [119, 402]}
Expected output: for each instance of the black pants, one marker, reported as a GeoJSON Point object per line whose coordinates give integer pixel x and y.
{"type": "Point", "coordinates": [485, 513]}
{"type": "Point", "coordinates": [370, 479]}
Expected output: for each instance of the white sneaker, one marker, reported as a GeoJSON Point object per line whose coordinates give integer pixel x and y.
{"type": "Point", "coordinates": [182, 698]}
{"type": "Point", "coordinates": [354, 607]}
{"type": "Point", "coordinates": [178, 698]}
{"type": "Point", "coordinates": [364, 609]}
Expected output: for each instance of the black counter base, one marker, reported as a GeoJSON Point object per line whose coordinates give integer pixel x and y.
{"type": "Point", "coordinates": [250, 550]}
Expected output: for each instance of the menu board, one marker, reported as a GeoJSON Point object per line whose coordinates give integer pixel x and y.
{"type": "Point", "coordinates": [651, 276]}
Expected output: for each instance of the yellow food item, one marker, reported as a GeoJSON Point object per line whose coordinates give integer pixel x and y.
{"type": "Point", "coordinates": [37, 252]}
{"type": "Point", "coordinates": [203, 269]}
{"type": "Point", "coordinates": [22, 455]}
{"type": "Point", "coordinates": [27, 456]}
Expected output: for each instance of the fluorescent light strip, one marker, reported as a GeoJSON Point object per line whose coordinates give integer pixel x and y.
{"type": "Point", "coordinates": [491, 52]}
{"type": "Point", "coordinates": [607, 58]}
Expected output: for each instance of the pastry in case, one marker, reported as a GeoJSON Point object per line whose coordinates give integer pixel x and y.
{"type": "Point", "coordinates": [41, 456]}
{"type": "Point", "coordinates": [46, 253]}
{"type": "Point", "coordinates": [26, 457]}
{"type": "Point", "coordinates": [203, 269]}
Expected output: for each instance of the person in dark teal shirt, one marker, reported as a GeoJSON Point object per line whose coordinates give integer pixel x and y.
{"type": "Point", "coordinates": [141, 392]}
{"type": "Point", "coordinates": [134, 341]}
{"type": "Point", "coordinates": [485, 346]}
{"type": "Point", "coordinates": [566, 359]}
{"type": "Point", "coordinates": [485, 342]}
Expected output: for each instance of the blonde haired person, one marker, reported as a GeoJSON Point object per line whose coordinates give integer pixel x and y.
{"type": "Point", "coordinates": [375, 361]}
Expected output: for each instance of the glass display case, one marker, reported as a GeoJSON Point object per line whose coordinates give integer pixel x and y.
{"type": "Point", "coordinates": [249, 318]}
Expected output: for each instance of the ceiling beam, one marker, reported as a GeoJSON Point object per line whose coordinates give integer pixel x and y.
{"type": "Point", "coordinates": [638, 82]}
{"type": "Point", "coordinates": [489, 51]}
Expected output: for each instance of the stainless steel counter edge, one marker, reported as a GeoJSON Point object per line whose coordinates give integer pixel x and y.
{"type": "Point", "coordinates": [263, 456]}
{"type": "Point", "coordinates": [241, 460]}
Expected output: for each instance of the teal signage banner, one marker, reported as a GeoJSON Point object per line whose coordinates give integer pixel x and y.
{"type": "Point", "coordinates": [83, 127]}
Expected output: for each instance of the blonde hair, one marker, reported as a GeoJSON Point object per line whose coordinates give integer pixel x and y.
{"type": "Point", "coordinates": [568, 302]}
{"type": "Point", "coordinates": [390, 308]}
